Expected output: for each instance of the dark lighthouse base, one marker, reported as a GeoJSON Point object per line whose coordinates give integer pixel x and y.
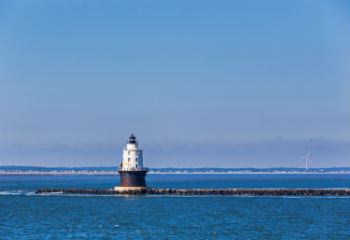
{"type": "Point", "coordinates": [135, 178]}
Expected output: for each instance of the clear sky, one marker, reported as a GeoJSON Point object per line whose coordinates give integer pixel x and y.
{"type": "Point", "coordinates": [200, 83]}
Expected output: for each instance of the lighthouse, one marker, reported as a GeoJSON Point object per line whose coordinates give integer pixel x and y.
{"type": "Point", "coordinates": [131, 170]}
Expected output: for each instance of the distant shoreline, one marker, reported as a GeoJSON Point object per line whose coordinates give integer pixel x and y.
{"type": "Point", "coordinates": [106, 173]}
{"type": "Point", "coordinates": [89, 171]}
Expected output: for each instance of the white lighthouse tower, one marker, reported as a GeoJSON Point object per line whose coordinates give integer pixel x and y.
{"type": "Point", "coordinates": [132, 156]}
{"type": "Point", "coordinates": [131, 170]}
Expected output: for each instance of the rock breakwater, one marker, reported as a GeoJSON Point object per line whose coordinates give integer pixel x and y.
{"type": "Point", "coordinates": [233, 191]}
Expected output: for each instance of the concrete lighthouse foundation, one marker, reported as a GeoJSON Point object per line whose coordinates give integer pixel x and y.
{"type": "Point", "coordinates": [131, 170]}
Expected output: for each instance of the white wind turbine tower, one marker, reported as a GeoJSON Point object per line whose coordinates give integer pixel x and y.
{"type": "Point", "coordinates": [307, 160]}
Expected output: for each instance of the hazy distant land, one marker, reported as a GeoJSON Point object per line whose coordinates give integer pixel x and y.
{"type": "Point", "coordinates": [32, 170]}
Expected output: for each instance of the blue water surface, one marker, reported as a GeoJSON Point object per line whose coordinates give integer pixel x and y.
{"type": "Point", "coordinates": [25, 215]}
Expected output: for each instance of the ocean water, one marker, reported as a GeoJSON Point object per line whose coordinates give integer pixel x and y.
{"type": "Point", "coordinates": [25, 215]}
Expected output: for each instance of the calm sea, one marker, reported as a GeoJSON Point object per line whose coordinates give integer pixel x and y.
{"type": "Point", "coordinates": [24, 215]}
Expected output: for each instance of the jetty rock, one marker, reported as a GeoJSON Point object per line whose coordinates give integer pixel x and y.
{"type": "Point", "coordinates": [200, 191]}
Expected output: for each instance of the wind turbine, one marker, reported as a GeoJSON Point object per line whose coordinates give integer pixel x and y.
{"type": "Point", "coordinates": [307, 160]}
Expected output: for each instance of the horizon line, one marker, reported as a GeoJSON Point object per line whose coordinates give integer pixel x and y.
{"type": "Point", "coordinates": [169, 167]}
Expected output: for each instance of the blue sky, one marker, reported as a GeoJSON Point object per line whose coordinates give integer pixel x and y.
{"type": "Point", "coordinates": [201, 83]}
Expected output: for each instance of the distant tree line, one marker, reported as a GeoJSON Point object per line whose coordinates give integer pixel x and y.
{"type": "Point", "coordinates": [206, 169]}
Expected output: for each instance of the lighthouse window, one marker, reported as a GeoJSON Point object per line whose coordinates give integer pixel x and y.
{"type": "Point", "coordinates": [128, 159]}
{"type": "Point", "coordinates": [136, 159]}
